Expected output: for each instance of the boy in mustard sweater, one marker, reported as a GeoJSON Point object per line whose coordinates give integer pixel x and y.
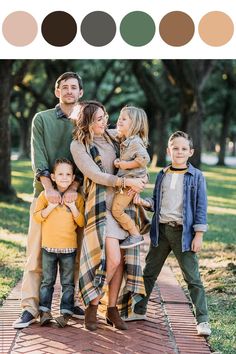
{"type": "Point", "coordinates": [59, 243]}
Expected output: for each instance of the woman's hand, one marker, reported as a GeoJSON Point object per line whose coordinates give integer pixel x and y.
{"type": "Point", "coordinates": [136, 184]}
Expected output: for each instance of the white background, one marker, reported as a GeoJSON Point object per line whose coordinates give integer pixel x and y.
{"type": "Point", "coordinates": [118, 48]}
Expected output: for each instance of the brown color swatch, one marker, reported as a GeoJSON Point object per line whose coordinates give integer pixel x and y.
{"type": "Point", "coordinates": [19, 28]}
{"type": "Point", "coordinates": [216, 28]}
{"type": "Point", "coordinates": [59, 28]}
{"type": "Point", "coordinates": [176, 28]}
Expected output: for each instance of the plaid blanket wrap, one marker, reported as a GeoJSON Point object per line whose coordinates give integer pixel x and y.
{"type": "Point", "coordinates": [93, 261]}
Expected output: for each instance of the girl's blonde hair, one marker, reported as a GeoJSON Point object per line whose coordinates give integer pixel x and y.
{"type": "Point", "coordinates": [83, 125]}
{"type": "Point", "coordinates": [139, 122]}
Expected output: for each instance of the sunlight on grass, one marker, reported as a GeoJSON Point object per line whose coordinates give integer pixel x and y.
{"type": "Point", "coordinates": [219, 210]}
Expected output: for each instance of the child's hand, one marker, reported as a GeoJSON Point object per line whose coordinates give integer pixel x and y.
{"type": "Point", "coordinates": [52, 205]}
{"type": "Point", "coordinates": [117, 163]}
{"type": "Point", "coordinates": [137, 199]}
{"type": "Point", "coordinates": [197, 242]}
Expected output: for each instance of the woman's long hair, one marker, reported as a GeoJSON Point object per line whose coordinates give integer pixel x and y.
{"type": "Point", "coordinates": [83, 125]}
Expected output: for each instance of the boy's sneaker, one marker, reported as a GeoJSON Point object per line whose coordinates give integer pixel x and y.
{"type": "Point", "coordinates": [45, 318]}
{"type": "Point", "coordinates": [134, 317]}
{"type": "Point", "coordinates": [25, 320]}
{"type": "Point", "coordinates": [132, 241]}
{"type": "Point", "coordinates": [78, 313]}
{"type": "Point", "coordinates": [203, 329]}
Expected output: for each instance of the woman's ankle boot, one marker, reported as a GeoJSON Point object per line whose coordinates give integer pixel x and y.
{"type": "Point", "coordinates": [90, 319]}
{"type": "Point", "coordinates": [113, 318]}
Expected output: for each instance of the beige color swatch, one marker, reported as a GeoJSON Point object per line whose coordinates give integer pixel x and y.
{"type": "Point", "coordinates": [19, 28]}
{"type": "Point", "coordinates": [216, 28]}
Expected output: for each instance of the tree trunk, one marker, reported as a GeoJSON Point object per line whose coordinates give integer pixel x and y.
{"type": "Point", "coordinates": [225, 124]}
{"type": "Point", "coordinates": [5, 138]}
{"type": "Point", "coordinates": [24, 148]}
{"type": "Point", "coordinates": [194, 129]}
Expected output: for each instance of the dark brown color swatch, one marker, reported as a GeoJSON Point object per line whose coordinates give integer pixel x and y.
{"type": "Point", "coordinates": [176, 28]}
{"type": "Point", "coordinates": [59, 28]}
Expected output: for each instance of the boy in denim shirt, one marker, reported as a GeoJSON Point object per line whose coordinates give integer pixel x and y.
{"type": "Point", "coordinates": [179, 203]}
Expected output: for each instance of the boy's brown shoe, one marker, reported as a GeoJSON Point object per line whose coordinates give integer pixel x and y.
{"type": "Point", "coordinates": [63, 320]}
{"type": "Point", "coordinates": [45, 318]}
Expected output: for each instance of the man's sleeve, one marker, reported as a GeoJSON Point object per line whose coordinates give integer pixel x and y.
{"type": "Point", "coordinates": [38, 150]}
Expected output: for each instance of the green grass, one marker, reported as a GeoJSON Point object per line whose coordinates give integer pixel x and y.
{"type": "Point", "coordinates": [217, 259]}
{"type": "Point", "coordinates": [14, 218]}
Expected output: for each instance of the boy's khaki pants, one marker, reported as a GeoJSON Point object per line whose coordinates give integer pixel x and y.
{"type": "Point", "coordinates": [33, 268]}
{"type": "Point", "coordinates": [120, 203]}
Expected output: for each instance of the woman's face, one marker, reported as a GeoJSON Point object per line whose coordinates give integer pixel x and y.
{"type": "Point", "coordinates": [100, 122]}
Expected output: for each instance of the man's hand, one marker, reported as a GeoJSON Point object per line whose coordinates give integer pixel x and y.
{"type": "Point", "coordinates": [70, 196]}
{"type": "Point", "coordinates": [70, 205]}
{"type": "Point", "coordinates": [197, 242]}
{"type": "Point", "coordinates": [53, 196]}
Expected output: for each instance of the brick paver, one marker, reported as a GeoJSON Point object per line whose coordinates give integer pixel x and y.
{"type": "Point", "coordinates": [170, 328]}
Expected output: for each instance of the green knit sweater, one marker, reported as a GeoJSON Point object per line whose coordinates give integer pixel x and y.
{"type": "Point", "coordinates": [50, 139]}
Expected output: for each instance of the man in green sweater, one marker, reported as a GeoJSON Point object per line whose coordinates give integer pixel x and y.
{"type": "Point", "coordinates": [50, 139]}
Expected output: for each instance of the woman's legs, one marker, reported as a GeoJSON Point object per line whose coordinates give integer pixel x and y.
{"type": "Point", "coordinates": [115, 268]}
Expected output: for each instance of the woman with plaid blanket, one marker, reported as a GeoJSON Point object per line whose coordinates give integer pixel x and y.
{"type": "Point", "coordinates": [109, 277]}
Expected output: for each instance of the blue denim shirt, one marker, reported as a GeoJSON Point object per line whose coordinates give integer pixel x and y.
{"type": "Point", "coordinates": [194, 206]}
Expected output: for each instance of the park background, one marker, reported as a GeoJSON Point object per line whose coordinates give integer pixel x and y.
{"type": "Point", "coordinates": [197, 96]}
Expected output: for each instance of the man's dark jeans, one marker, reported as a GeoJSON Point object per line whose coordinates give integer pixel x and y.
{"type": "Point", "coordinates": [50, 262]}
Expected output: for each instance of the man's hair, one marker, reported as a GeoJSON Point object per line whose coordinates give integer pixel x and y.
{"type": "Point", "coordinates": [69, 75]}
{"type": "Point", "coordinates": [60, 161]}
{"type": "Point", "coordinates": [180, 134]}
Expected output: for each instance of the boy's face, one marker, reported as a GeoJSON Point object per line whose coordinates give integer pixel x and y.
{"type": "Point", "coordinates": [69, 91]}
{"type": "Point", "coordinates": [63, 176]}
{"type": "Point", "coordinates": [179, 152]}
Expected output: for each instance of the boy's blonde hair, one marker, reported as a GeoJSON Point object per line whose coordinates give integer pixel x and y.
{"type": "Point", "coordinates": [180, 134]}
{"type": "Point", "coordinates": [139, 122]}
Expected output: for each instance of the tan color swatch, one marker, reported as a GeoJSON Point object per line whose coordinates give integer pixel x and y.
{"type": "Point", "coordinates": [216, 28]}
{"type": "Point", "coordinates": [19, 28]}
{"type": "Point", "coordinates": [176, 28]}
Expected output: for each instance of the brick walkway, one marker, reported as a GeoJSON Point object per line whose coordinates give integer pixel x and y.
{"type": "Point", "coordinates": [170, 328]}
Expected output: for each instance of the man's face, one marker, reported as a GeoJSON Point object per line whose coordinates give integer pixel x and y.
{"type": "Point", "coordinates": [69, 91]}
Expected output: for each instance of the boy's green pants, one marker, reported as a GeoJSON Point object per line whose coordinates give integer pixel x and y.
{"type": "Point", "coordinates": [170, 240]}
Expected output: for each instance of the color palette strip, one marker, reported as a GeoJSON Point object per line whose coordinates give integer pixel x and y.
{"type": "Point", "coordinates": [137, 28]}
{"type": "Point", "coordinates": [143, 31]}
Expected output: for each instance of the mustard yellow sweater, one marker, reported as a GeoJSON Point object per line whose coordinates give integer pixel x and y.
{"type": "Point", "coordinates": [59, 228]}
